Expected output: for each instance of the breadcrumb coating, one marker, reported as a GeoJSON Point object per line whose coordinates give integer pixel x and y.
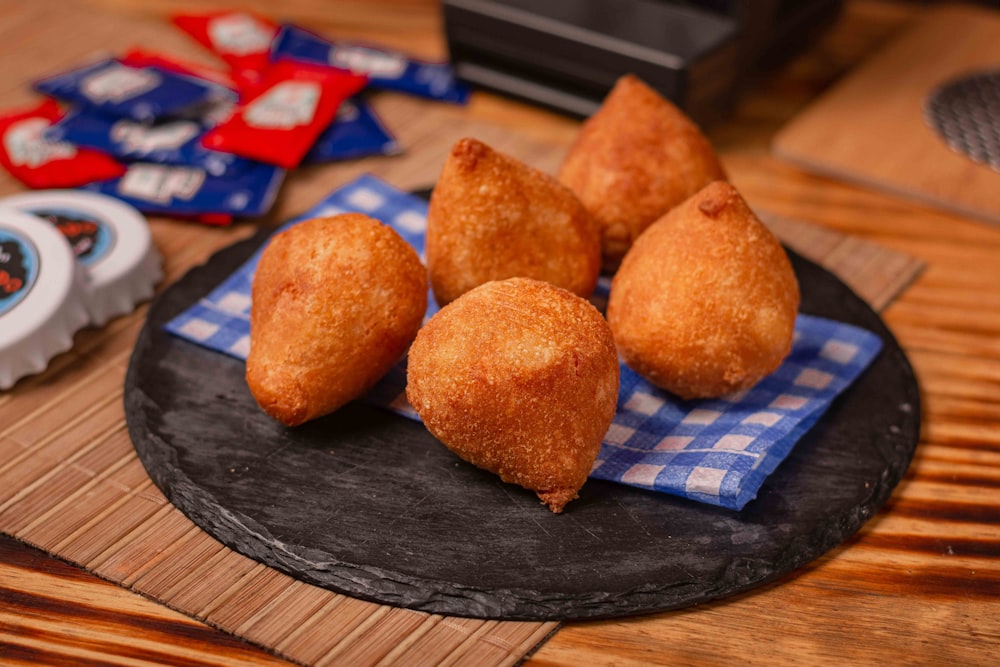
{"type": "Point", "coordinates": [335, 303]}
{"type": "Point", "coordinates": [492, 217]}
{"type": "Point", "coordinates": [518, 377]}
{"type": "Point", "coordinates": [704, 303]}
{"type": "Point", "coordinates": [634, 159]}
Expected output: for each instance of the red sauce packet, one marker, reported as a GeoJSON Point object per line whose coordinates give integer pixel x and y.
{"type": "Point", "coordinates": [278, 121]}
{"type": "Point", "coordinates": [40, 163]}
{"type": "Point", "coordinates": [214, 219]}
{"type": "Point", "coordinates": [241, 39]}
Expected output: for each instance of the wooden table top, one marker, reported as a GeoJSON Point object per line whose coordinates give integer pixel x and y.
{"type": "Point", "coordinates": [919, 584]}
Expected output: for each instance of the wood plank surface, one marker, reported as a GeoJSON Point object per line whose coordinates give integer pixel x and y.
{"type": "Point", "coordinates": [919, 584]}
{"type": "Point", "coordinates": [53, 612]}
{"type": "Point", "coordinates": [871, 128]}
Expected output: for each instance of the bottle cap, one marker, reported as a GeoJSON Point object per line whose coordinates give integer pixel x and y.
{"type": "Point", "coordinates": [110, 240]}
{"type": "Point", "coordinates": [41, 295]}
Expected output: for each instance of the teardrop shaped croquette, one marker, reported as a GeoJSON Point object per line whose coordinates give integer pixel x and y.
{"type": "Point", "coordinates": [335, 303]}
{"type": "Point", "coordinates": [704, 303]}
{"type": "Point", "coordinates": [492, 217]}
{"type": "Point", "coordinates": [637, 157]}
{"type": "Point", "coordinates": [518, 377]}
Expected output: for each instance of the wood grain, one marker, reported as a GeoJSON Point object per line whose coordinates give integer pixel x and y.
{"type": "Point", "coordinates": [46, 602]}
{"type": "Point", "coordinates": [919, 584]}
{"type": "Point", "coordinates": [870, 128]}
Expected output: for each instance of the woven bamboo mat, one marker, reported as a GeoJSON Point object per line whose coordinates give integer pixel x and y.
{"type": "Point", "coordinates": [71, 483]}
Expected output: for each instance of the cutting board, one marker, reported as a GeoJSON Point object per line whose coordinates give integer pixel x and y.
{"type": "Point", "coordinates": [870, 128]}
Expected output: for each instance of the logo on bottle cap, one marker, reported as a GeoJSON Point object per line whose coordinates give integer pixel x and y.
{"type": "Point", "coordinates": [18, 268]}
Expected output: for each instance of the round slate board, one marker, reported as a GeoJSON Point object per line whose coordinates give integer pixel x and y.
{"type": "Point", "coordinates": [368, 503]}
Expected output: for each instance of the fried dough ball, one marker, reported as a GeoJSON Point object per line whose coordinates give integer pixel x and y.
{"type": "Point", "coordinates": [518, 377]}
{"type": "Point", "coordinates": [637, 157]}
{"type": "Point", "coordinates": [492, 217]}
{"type": "Point", "coordinates": [335, 303]}
{"type": "Point", "coordinates": [704, 303]}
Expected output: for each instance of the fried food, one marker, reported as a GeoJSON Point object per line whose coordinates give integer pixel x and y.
{"type": "Point", "coordinates": [636, 158]}
{"type": "Point", "coordinates": [520, 378]}
{"type": "Point", "coordinates": [492, 217]}
{"type": "Point", "coordinates": [335, 303]}
{"type": "Point", "coordinates": [704, 304]}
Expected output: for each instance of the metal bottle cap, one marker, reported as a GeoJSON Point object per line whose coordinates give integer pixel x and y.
{"type": "Point", "coordinates": [41, 295]}
{"type": "Point", "coordinates": [109, 238]}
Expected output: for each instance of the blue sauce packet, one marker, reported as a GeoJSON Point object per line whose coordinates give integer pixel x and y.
{"type": "Point", "coordinates": [389, 70]}
{"type": "Point", "coordinates": [176, 142]}
{"type": "Point", "coordinates": [143, 94]}
{"type": "Point", "coordinates": [356, 132]}
{"type": "Point", "coordinates": [189, 191]}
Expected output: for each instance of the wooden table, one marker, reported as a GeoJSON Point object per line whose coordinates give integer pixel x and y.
{"type": "Point", "coordinates": [919, 584]}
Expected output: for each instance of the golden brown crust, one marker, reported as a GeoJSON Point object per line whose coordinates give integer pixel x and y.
{"type": "Point", "coordinates": [335, 302]}
{"type": "Point", "coordinates": [636, 158]}
{"type": "Point", "coordinates": [704, 304]}
{"type": "Point", "coordinates": [492, 217]}
{"type": "Point", "coordinates": [520, 378]}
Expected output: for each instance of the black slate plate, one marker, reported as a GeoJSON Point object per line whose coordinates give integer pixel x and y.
{"type": "Point", "coordinates": [368, 503]}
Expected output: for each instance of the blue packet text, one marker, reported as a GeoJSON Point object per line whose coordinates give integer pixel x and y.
{"type": "Point", "coordinates": [189, 191]}
{"type": "Point", "coordinates": [389, 70]}
{"type": "Point", "coordinates": [176, 142]}
{"type": "Point", "coordinates": [141, 93]}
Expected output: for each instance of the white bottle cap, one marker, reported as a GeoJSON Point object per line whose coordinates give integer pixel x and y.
{"type": "Point", "coordinates": [41, 295]}
{"type": "Point", "coordinates": [109, 238]}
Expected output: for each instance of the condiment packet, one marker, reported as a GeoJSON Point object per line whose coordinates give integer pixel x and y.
{"type": "Point", "coordinates": [278, 121]}
{"type": "Point", "coordinates": [385, 69]}
{"type": "Point", "coordinates": [225, 89]}
{"type": "Point", "coordinates": [41, 295]}
{"type": "Point", "coordinates": [214, 219]}
{"type": "Point", "coordinates": [144, 94]}
{"type": "Point", "coordinates": [356, 132]}
{"type": "Point", "coordinates": [109, 239]}
{"type": "Point", "coordinates": [715, 451]}
{"type": "Point", "coordinates": [192, 193]}
{"type": "Point", "coordinates": [137, 57]}
{"type": "Point", "coordinates": [241, 39]}
{"type": "Point", "coordinates": [176, 142]}
{"type": "Point", "coordinates": [41, 163]}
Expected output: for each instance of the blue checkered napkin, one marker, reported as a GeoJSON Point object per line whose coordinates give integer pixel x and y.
{"type": "Point", "coordinates": [720, 451]}
{"type": "Point", "coordinates": [714, 451]}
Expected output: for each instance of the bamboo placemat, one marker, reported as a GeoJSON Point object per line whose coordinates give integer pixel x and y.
{"type": "Point", "coordinates": [71, 483]}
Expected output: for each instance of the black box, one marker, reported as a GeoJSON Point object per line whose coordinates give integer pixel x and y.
{"type": "Point", "coordinates": [566, 54]}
